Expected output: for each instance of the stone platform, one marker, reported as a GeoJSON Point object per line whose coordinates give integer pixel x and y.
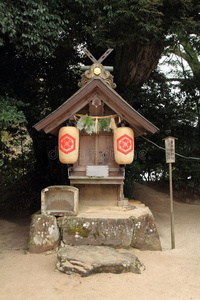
{"type": "Point", "coordinates": [118, 227]}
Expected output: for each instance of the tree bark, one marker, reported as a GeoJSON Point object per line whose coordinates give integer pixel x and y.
{"type": "Point", "coordinates": [135, 62]}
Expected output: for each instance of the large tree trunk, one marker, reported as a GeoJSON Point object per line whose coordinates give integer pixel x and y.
{"type": "Point", "coordinates": [135, 62]}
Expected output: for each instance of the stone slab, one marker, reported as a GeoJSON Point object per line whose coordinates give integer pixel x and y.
{"type": "Point", "coordinates": [44, 233]}
{"type": "Point", "coordinates": [97, 231]}
{"type": "Point", "coordinates": [88, 260]}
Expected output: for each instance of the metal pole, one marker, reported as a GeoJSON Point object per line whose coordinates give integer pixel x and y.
{"type": "Point", "coordinates": [171, 207]}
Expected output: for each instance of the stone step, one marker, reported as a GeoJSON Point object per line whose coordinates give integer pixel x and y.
{"type": "Point", "coordinates": [88, 260]}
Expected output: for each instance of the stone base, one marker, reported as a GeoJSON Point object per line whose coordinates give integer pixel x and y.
{"type": "Point", "coordinates": [97, 231]}
{"type": "Point", "coordinates": [117, 227]}
{"type": "Point", "coordinates": [88, 260]}
{"type": "Point", "coordinates": [145, 235]}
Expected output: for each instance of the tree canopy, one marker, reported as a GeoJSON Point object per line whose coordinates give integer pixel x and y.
{"type": "Point", "coordinates": [138, 30]}
{"type": "Point", "coordinates": [40, 43]}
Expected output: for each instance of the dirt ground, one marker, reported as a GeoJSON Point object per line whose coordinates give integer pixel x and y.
{"type": "Point", "coordinates": [170, 274]}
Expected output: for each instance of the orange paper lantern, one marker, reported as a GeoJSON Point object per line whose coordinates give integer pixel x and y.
{"type": "Point", "coordinates": [123, 145]}
{"type": "Point", "coordinates": [68, 140]}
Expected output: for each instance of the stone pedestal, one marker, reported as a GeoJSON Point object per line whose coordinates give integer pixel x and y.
{"type": "Point", "coordinates": [117, 227]}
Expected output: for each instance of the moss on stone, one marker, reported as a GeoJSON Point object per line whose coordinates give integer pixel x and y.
{"type": "Point", "coordinates": [96, 234]}
{"type": "Point", "coordinates": [77, 228]}
{"type": "Point", "coordinates": [105, 235]}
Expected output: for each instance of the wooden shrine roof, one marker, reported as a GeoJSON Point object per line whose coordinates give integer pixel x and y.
{"type": "Point", "coordinates": [55, 120]}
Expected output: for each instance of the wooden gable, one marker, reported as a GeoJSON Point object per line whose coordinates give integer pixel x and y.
{"type": "Point", "coordinates": [82, 98]}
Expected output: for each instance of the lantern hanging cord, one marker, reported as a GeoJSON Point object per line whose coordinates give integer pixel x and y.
{"type": "Point", "coordinates": [186, 157]}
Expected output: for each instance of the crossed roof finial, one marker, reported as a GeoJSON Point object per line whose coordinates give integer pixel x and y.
{"type": "Point", "coordinates": [97, 70]}
{"type": "Point", "coordinates": [101, 59]}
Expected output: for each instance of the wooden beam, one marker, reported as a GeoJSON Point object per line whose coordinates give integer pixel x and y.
{"type": "Point", "coordinates": [87, 52]}
{"type": "Point", "coordinates": [67, 109]}
{"type": "Point", "coordinates": [119, 104]}
{"type": "Point", "coordinates": [104, 55]}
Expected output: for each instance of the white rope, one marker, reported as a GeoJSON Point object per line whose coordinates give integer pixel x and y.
{"type": "Point", "coordinates": [183, 156]}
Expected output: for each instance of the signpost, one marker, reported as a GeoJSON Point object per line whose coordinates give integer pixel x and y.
{"type": "Point", "coordinates": [170, 158]}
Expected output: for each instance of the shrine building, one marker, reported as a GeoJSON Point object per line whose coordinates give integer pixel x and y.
{"type": "Point", "coordinates": [96, 129]}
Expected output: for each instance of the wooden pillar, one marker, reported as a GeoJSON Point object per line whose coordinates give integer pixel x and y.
{"type": "Point", "coordinates": [171, 207]}
{"type": "Point", "coordinates": [96, 150]}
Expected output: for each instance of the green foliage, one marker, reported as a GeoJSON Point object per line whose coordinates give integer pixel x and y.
{"type": "Point", "coordinates": [175, 113]}
{"type": "Point", "coordinates": [104, 124]}
{"type": "Point", "coordinates": [86, 123]}
{"type": "Point", "coordinates": [17, 163]}
{"type": "Point", "coordinates": [40, 26]}
{"type": "Point", "coordinates": [11, 119]}
{"type": "Point", "coordinates": [34, 26]}
{"type": "Point", "coordinates": [10, 112]}
{"type": "Point", "coordinates": [135, 20]}
{"type": "Point", "coordinates": [81, 123]}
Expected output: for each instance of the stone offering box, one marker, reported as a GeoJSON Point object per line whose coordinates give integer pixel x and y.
{"type": "Point", "coordinates": [60, 200]}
